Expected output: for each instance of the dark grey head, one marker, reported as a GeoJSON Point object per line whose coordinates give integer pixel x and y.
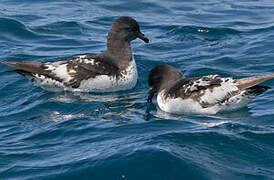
{"type": "Point", "coordinates": [126, 29]}
{"type": "Point", "coordinates": [162, 77]}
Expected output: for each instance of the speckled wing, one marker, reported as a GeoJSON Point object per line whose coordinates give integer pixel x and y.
{"type": "Point", "coordinates": [67, 73]}
{"type": "Point", "coordinates": [207, 90]}
{"type": "Point", "coordinates": [88, 66]}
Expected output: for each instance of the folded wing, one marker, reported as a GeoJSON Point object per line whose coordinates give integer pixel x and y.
{"type": "Point", "coordinates": [211, 90]}
{"type": "Point", "coordinates": [70, 72]}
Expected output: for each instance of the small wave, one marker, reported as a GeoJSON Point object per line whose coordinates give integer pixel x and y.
{"type": "Point", "coordinates": [11, 29]}
{"type": "Point", "coordinates": [61, 27]}
{"type": "Point", "coordinates": [257, 30]}
{"type": "Point", "coordinates": [201, 31]}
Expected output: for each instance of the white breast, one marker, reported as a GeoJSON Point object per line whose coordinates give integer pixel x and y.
{"type": "Point", "coordinates": [182, 106]}
{"type": "Point", "coordinates": [104, 83]}
{"type": "Point", "coordinates": [189, 106]}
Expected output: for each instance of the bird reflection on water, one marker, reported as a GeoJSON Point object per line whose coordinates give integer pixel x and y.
{"type": "Point", "coordinates": [107, 106]}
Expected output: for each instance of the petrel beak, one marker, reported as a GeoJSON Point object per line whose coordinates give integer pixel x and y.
{"type": "Point", "coordinates": [150, 95]}
{"type": "Point", "coordinates": [142, 36]}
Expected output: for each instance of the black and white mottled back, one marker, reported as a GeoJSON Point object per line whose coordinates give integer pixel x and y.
{"type": "Point", "coordinates": [112, 70]}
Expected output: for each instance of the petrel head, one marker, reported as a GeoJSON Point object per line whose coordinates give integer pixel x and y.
{"type": "Point", "coordinates": [127, 28]}
{"type": "Point", "coordinates": [161, 77]}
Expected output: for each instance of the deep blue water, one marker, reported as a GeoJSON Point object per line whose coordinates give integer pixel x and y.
{"type": "Point", "coordinates": [47, 135]}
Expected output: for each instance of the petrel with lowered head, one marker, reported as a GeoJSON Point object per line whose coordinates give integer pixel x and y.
{"type": "Point", "coordinates": [202, 95]}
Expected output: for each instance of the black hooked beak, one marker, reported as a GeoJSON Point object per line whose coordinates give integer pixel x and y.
{"type": "Point", "coordinates": [150, 95]}
{"type": "Point", "coordinates": [142, 36]}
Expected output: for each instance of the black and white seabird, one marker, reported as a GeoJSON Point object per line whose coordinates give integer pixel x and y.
{"type": "Point", "coordinates": [112, 70]}
{"type": "Point", "coordinates": [202, 95]}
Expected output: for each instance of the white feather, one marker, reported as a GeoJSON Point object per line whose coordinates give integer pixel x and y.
{"type": "Point", "coordinates": [178, 105]}
{"type": "Point", "coordinates": [108, 83]}
{"type": "Point", "coordinates": [216, 94]}
{"type": "Point", "coordinates": [60, 71]}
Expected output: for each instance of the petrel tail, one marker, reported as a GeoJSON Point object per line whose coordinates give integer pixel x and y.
{"type": "Point", "coordinates": [25, 67]}
{"type": "Point", "coordinates": [249, 82]}
{"type": "Point", "coordinates": [256, 90]}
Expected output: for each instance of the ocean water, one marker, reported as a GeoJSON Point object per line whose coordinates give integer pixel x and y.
{"type": "Point", "coordinates": [45, 135]}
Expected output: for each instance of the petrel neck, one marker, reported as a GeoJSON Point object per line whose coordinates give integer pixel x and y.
{"type": "Point", "coordinates": [118, 48]}
{"type": "Point", "coordinates": [169, 80]}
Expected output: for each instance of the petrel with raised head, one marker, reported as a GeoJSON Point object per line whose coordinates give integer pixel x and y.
{"type": "Point", "coordinates": [202, 95]}
{"type": "Point", "coordinates": [112, 70]}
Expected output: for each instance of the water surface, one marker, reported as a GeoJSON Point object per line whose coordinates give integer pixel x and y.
{"type": "Point", "coordinates": [46, 135]}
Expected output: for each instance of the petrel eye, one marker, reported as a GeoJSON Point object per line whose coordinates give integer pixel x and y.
{"type": "Point", "coordinates": [126, 29]}
{"type": "Point", "coordinates": [134, 29]}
